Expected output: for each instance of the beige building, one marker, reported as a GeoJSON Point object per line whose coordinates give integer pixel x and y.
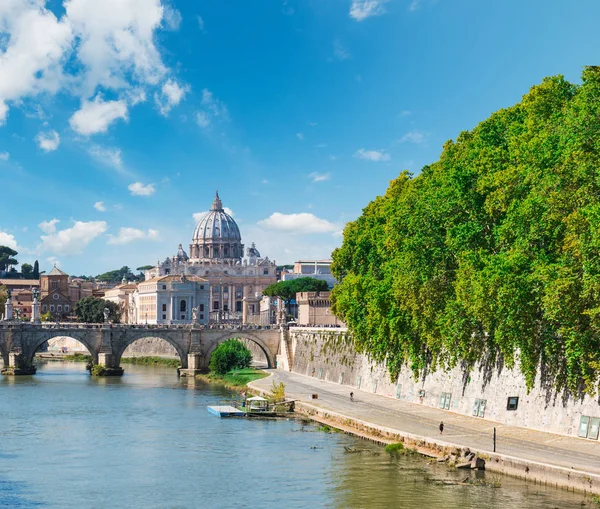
{"type": "Point", "coordinates": [217, 255]}
{"type": "Point", "coordinates": [172, 299]}
{"type": "Point", "coordinates": [121, 295]}
{"type": "Point", "coordinates": [314, 309]}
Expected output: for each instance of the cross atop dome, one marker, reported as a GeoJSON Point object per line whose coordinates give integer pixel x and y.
{"type": "Point", "coordinates": [217, 204]}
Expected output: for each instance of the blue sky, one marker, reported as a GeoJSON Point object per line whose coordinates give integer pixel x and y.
{"type": "Point", "coordinates": [121, 118]}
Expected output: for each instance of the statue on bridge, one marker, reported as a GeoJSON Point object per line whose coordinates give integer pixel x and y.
{"type": "Point", "coordinates": [106, 314]}
{"type": "Point", "coordinates": [195, 314]}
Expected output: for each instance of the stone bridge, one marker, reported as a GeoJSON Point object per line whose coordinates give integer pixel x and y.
{"type": "Point", "coordinates": [106, 343]}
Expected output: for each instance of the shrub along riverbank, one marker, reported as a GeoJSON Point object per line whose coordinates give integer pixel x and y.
{"type": "Point", "coordinates": [143, 361]}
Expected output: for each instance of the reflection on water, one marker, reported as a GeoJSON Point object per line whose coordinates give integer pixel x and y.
{"type": "Point", "coordinates": [68, 440]}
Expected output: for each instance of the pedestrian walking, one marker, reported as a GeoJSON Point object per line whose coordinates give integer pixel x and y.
{"type": "Point", "coordinates": [351, 396]}
{"type": "Point", "coordinates": [441, 428]}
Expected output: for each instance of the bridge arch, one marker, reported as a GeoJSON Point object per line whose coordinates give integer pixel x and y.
{"type": "Point", "coordinates": [33, 346]}
{"type": "Point", "coordinates": [175, 340]}
{"type": "Point", "coordinates": [233, 334]}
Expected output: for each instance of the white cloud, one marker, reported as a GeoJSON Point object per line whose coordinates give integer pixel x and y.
{"type": "Point", "coordinates": [92, 45]}
{"type": "Point", "coordinates": [200, 23]}
{"type": "Point", "coordinates": [171, 17]}
{"type": "Point", "coordinates": [363, 9]}
{"type": "Point", "coordinates": [8, 240]}
{"type": "Point", "coordinates": [139, 189]}
{"type": "Point", "coordinates": [96, 116]}
{"type": "Point", "coordinates": [4, 156]}
{"type": "Point", "coordinates": [300, 136]}
{"type": "Point", "coordinates": [108, 156]}
{"type": "Point", "coordinates": [372, 155]}
{"type": "Point", "coordinates": [297, 223]}
{"type": "Point", "coordinates": [213, 109]}
{"type": "Point", "coordinates": [99, 206]}
{"type": "Point", "coordinates": [49, 141]}
{"type": "Point", "coordinates": [48, 227]}
{"type": "Point", "coordinates": [319, 177]}
{"type": "Point", "coordinates": [71, 241]}
{"type": "Point", "coordinates": [414, 5]}
{"type": "Point", "coordinates": [339, 50]}
{"type": "Point", "coordinates": [128, 235]}
{"type": "Point", "coordinates": [171, 95]}
{"type": "Point", "coordinates": [405, 113]}
{"type": "Point", "coordinates": [415, 137]}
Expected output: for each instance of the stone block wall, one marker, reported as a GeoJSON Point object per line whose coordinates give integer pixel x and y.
{"type": "Point", "coordinates": [327, 354]}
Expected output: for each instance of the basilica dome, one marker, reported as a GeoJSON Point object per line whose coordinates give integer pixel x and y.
{"type": "Point", "coordinates": [217, 235]}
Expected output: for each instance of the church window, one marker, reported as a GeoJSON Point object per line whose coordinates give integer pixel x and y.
{"type": "Point", "coordinates": [164, 317]}
{"type": "Point", "coordinates": [67, 308]}
{"type": "Point", "coordinates": [182, 306]}
{"type": "Point", "coordinates": [226, 272]}
{"type": "Point", "coordinates": [201, 307]}
{"type": "Point", "coordinates": [59, 308]}
{"type": "Point", "coordinates": [52, 308]}
{"type": "Point", "coordinates": [54, 285]}
{"type": "Point", "coordinates": [225, 308]}
{"type": "Point", "coordinates": [55, 296]}
{"type": "Point", "coordinates": [226, 251]}
{"type": "Point", "coordinates": [201, 287]}
{"type": "Point", "coordinates": [206, 252]}
{"type": "Point", "coordinates": [44, 308]}
{"type": "Point", "coordinates": [238, 306]}
{"type": "Point", "coordinates": [201, 317]}
{"type": "Point", "coordinates": [266, 272]}
{"type": "Point", "coordinates": [164, 287]}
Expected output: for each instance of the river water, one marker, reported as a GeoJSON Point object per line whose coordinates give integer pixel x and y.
{"type": "Point", "coordinates": [146, 440]}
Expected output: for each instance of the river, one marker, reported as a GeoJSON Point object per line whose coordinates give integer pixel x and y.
{"type": "Point", "coordinates": [146, 440]}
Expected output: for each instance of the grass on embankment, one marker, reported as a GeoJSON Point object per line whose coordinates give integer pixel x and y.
{"type": "Point", "coordinates": [235, 379]}
{"type": "Point", "coordinates": [142, 361]}
{"type": "Point", "coordinates": [151, 361]}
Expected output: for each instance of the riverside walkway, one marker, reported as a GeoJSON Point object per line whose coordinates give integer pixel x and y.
{"type": "Point", "coordinates": [419, 421]}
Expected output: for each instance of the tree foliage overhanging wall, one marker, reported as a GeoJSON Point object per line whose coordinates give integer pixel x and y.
{"type": "Point", "coordinates": [495, 248]}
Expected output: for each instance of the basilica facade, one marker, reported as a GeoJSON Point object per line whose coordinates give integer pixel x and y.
{"type": "Point", "coordinates": [216, 254]}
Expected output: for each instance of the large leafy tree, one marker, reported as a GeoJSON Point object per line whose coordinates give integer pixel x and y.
{"type": "Point", "coordinates": [7, 257]}
{"type": "Point", "coordinates": [116, 276]}
{"type": "Point", "coordinates": [492, 251]}
{"type": "Point", "coordinates": [91, 310]}
{"type": "Point", "coordinates": [229, 355]}
{"type": "Point", "coordinates": [287, 290]}
{"type": "Point", "coordinates": [27, 271]}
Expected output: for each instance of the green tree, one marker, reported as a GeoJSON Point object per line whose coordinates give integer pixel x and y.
{"type": "Point", "coordinates": [3, 296]}
{"type": "Point", "coordinates": [7, 258]}
{"type": "Point", "coordinates": [91, 310]}
{"type": "Point", "coordinates": [27, 271]}
{"type": "Point", "coordinates": [230, 355]}
{"type": "Point", "coordinates": [36, 270]}
{"type": "Point", "coordinates": [287, 290]}
{"type": "Point", "coordinates": [144, 268]}
{"type": "Point", "coordinates": [491, 251]}
{"type": "Point", "coordinates": [116, 276]}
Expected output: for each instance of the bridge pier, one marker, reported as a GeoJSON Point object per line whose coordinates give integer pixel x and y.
{"type": "Point", "coordinates": [18, 365]}
{"type": "Point", "coordinates": [109, 365]}
{"type": "Point", "coordinates": [195, 365]}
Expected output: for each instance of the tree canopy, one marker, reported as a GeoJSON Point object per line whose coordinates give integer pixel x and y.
{"type": "Point", "coordinates": [229, 355]}
{"type": "Point", "coordinates": [492, 251]}
{"type": "Point", "coordinates": [91, 310]}
{"type": "Point", "coordinates": [7, 258]}
{"type": "Point", "coordinates": [287, 290]}
{"type": "Point", "coordinates": [116, 276]}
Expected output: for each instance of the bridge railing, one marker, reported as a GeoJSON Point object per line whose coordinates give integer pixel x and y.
{"type": "Point", "coordinates": [13, 324]}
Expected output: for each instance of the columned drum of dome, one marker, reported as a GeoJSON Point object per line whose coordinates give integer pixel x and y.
{"type": "Point", "coordinates": [217, 236]}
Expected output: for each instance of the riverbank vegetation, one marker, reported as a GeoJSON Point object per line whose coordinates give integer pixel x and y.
{"type": "Point", "coordinates": [149, 360]}
{"type": "Point", "coordinates": [229, 355]}
{"type": "Point", "coordinates": [491, 253]}
{"type": "Point", "coordinates": [235, 379]}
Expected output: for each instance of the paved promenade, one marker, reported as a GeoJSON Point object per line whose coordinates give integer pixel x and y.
{"type": "Point", "coordinates": [423, 421]}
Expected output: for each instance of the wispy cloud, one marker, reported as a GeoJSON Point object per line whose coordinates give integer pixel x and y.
{"type": "Point", "coordinates": [127, 235]}
{"type": "Point", "coordinates": [319, 177]}
{"type": "Point", "coordinates": [300, 136]}
{"type": "Point", "coordinates": [416, 137]}
{"type": "Point", "coordinates": [363, 9]}
{"type": "Point", "coordinates": [212, 109]}
{"type": "Point", "coordinates": [109, 156]}
{"type": "Point", "coordinates": [171, 94]}
{"type": "Point", "coordinates": [303, 222]}
{"type": "Point", "coordinates": [4, 156]}
{"type": "Point", "coordinates": [340, 52]}
{"type": "Point", "coordinates": [139, 189]}
{"type": "Point", "coordinates": [99, 206]}
{"type": "Point", "coordinates": [372, 155]}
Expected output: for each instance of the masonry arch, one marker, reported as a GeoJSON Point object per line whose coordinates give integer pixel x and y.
{"type": "Point", "coordinates": [30, 349]}
{"type": "Point", "coordinates": [262, 346]}
{"type": "Point", "coordinates": [178, 345]}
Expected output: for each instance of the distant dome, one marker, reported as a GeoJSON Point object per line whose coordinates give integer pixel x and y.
{"type": "Point", "coordinates": [216, 225]}
{"type": "Point", "coordinates": [181, 254]}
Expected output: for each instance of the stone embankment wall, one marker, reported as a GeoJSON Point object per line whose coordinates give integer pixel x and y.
{"type": "Point", "coordinates": [150, 347]}
{"type": "Point", "coordinates": [483, 392]}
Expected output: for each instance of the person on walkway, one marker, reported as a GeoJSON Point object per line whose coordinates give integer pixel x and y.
{"type": "Point", "coordinates": [441, 428]}
{"type": "Point", "coordinates": [351, 396]}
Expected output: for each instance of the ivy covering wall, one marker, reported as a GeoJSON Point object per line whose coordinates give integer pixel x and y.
{"type": "Point", "coordinates": [492, 250]}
